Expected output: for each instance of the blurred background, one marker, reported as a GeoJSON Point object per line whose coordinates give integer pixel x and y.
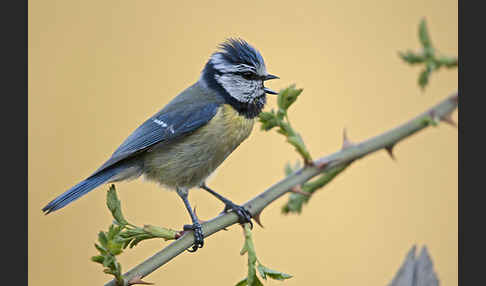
{"type": "Point", "coordinates": [98, 69]}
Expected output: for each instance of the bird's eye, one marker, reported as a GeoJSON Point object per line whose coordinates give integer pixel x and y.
{"type": "Point", "coordinates": [248, 75]}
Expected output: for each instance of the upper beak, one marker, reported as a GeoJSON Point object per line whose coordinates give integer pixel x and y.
{"type": "Point", "coordinates": [269, 91]}
{"type": "Point", "coordinates": [270, 76]}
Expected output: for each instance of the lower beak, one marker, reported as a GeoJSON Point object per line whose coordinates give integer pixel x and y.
{"type": "Point", "coordinates": [269, 91]}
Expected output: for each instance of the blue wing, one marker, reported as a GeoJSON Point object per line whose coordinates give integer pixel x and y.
{"type": "Point", "coordinates": [170, 123]}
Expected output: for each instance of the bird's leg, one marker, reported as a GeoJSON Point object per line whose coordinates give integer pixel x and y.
{"type": "Point", "coordinates": [196, 226]}
{"type": "Point", "coordinates": [244, 215]}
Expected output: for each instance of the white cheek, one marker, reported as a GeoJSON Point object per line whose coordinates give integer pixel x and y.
{"type": "Point", "coordinates": [242, 90]}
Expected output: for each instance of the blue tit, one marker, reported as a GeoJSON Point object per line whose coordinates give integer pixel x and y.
{"type": "Point", "coordinates": [182, 144]}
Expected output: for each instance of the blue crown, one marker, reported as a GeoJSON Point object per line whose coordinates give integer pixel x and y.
{"type": "Point", "coordinates": [238, 51]}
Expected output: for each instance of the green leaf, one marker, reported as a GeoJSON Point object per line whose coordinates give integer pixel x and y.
{"type": "Point", "coordinates": [411, 57]}
{"type": "Point", "coordinates": [114, 205]}
{"type": "Point", "coordinates": [257, 282]}
{"type": "Point", "coordinates": [108, 260]}
{"type": "Point", "coordinates": [114, 231]}
{"type": "Point", "coordinates": [294, 205]}
{"type": "Point", "coordinates": [111, 245]}
{"type": "Point", "coordinates": [140, 238]}
{"type": "Point", "coordinates": [261, 270]}
{"type": "Point", "coordinates": [268, 120]}
{"type": "Point", "coordinates": [266, 116]}
{"type": "Point", "coordinates": [274, 274]}
{"type": "Point", "coordinates": [98, 259]}
{"type": "Point", "coordinates": [132, 236]}
{"type": "Point", "coordinates": [103, 240]}
{"type": "Point", "coordinates": [447, 62]}
{"type": "Point", "coordinates": [131, 232]}
{"type": "Point", "coordinates": [423, 79]}
{"type": "Point", "coordinates": [424, 35]}
{"type": "Point", "coordinates": [288, 96]}
{"type": "Point", "coordinates": [427, 56]}
{"type": "Point", "coordinates": [102, 250]}
{"type": "Point", "coordinates": [114, 247]}
{"type": "Point", "coordinates": [281, 97]}
{"type": "Point", "coordinates": [162, 232]}
{"type": "Point", "coordinates": [293, 95]}
{"type": "Point", "coordinates": [243, 282]}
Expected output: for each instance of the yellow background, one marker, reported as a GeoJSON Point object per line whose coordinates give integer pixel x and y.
{"type": "Point", "coordinates": [98, 69]}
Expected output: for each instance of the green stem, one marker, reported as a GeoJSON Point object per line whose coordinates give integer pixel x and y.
{"type": "Point", "coordinates": [250, 252]}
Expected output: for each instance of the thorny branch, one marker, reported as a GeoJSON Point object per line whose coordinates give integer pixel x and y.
{"type": "Point", "coordinates": [338, 160]}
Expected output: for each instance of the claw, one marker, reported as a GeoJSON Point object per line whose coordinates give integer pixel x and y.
{"type": "Point", "coordinates": [198, 236]}
{"type": "Point", "coordinates": [244, 216]}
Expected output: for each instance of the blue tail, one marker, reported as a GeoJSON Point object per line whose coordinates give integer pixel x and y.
{"type": "Point", "coordinates": [80, 189]}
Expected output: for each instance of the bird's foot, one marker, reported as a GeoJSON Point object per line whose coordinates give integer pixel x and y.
{"type": "Point", "coordinates": [198, 235]}
{"type": "Point", "coordinates": [244, 216]}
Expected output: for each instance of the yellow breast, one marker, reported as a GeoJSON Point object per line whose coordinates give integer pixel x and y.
{"type": "Point", "coordinates": [236, 127]}
{"type": "Point", "coordinates": [226, 131]}
{"type": "Point", "coordinates": [190, 160]}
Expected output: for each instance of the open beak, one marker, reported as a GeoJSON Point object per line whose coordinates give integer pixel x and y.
{"type": "Point", "coordinates": [270, 76]}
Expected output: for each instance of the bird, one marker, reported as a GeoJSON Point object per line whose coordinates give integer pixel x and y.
{"type": "Point", "coordinates": [181, 145]}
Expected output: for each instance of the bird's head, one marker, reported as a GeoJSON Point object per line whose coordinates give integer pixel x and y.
{"type": "Point", "coordinates": [237, 72]}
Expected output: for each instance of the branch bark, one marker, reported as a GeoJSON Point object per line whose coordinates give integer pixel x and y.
{"type": "Point", "coordinates": [440, 112]}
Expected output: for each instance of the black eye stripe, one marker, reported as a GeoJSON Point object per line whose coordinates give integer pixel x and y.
{"type": "Point", "coordinates": [247, 75]}
{"type": "Point", "coordinates": [243, 73]}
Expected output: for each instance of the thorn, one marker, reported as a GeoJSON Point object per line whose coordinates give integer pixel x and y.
{"type": "Point", "coordinates": [389, 149]}
{"type": "Point", "coordinates": [138, 280]}
{"type": "Point", "coordinates": [346, 142]}
{"type": "Point", "coordinates": [448, 119]}
{"type": "Point", "coordinates": [298, 190]}
{"type": "Point", "coordinates": [256, 218]}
